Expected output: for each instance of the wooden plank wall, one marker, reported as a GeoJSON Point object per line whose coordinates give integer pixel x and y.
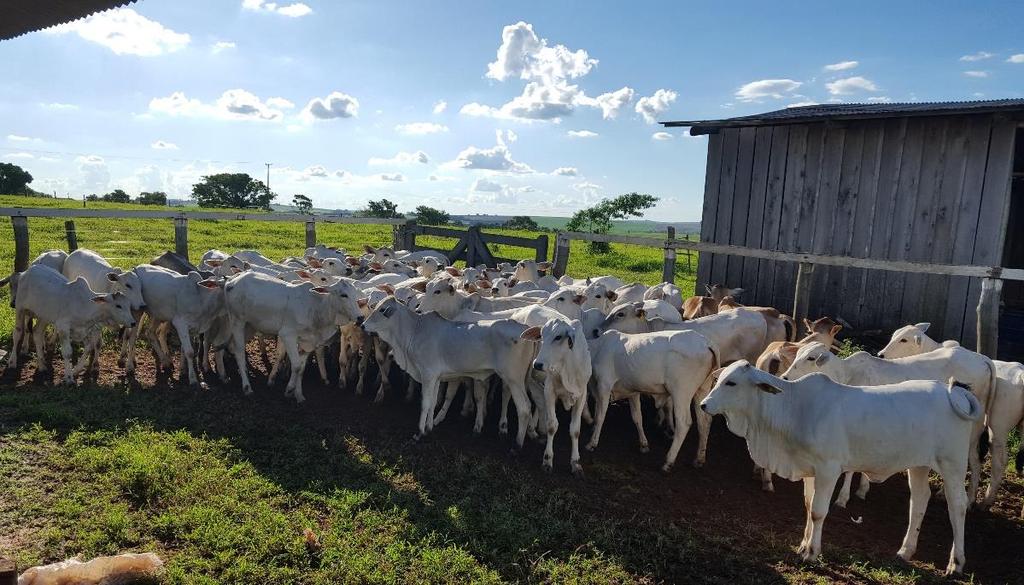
{"type": "Point", "coordinates": [930, 189]}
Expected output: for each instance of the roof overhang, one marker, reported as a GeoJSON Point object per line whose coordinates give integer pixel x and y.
{"type": "Point", "coordinates": [19, 17]}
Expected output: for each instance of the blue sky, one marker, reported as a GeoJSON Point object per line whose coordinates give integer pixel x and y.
{"type": "Point", "coordinates": [547, 106]}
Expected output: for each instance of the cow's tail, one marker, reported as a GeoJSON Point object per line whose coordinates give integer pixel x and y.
{"type": "Point", "coordinates": [972, 411]}
{"type": "Point", "coordinates": [709, 380]}
{"type": "Point", "coordinates": [993, 385]}
{"type": "Point", "coordinates": [791, 330]}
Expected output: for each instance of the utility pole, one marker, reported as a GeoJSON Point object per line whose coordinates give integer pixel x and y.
{"type": "Point", "coordinates": [268, 175]}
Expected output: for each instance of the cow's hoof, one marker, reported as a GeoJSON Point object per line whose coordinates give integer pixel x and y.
{"type": "Point", "coordinates": [477, 430]}
{"type": "Point", "coordinates": [905, 553]}
{"type": "Point", "coordinates": [698, 463]}
{"type": "Point", "coordinates": [547, 466]}
{"type": "Point", "coordinates": [247, 391]}
{"type": "Point", "coordinates": [666, 468]}
{"type": "Point", "coordinates": [590, 446]}
{"type": "Point", "coordinates": [841, 503]}
{"type": "Point", "coordinates": [577, 470]}
{"type": "Point", "coordinates": [514, 451]}
{"type": "Point", "coordinates": [767, 487]}
{"type": "Point", "coordinates": [645, 448]}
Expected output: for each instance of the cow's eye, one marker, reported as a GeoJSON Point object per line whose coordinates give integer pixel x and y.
{"type": "Point", "coordinates": [597, 296]}
{"type": "Point", "coordinates": [558, 338]}
{"type": "Point", "coordinates": [903, 341]}
{"type": "Point", "coordinates": [344, 296]}
{"type": "Point", "coordinates": [811, 359]}
{"type": "Point", "coordinates": [621, 315]}
{"type": "Point", "coordinates": [127, 285]}
{"type": "Point", "coordinates": [561, 299]}
{"type": "Point", "coordinates": [437, 292]}
{"type": "Point", "coordinates": [730, 383]}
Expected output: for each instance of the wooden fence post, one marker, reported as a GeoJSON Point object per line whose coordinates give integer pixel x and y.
{"type": "Point", "coordinates": [20, 225]}
{"type": "Point", "coordinates": [561, 256]}
{"type": "Point", "coordinates": [409, 243]}
{"type": "Point", "coordinates": [801, 296]}
{"type": "Point", "coordinates": [988, 316]}
{"type": "Point", "coordinates": [181, 236]}
{"type": "Point", "coordinates": [69, 230]}
{"type": "Point", "coordinates": [668, 271]}
{"type": "Point", "coordinates": [8, 572]}
{"type": "Point", "coordinates": [542, 249]}
{"type": "Point", "coordinates": [310, 233]}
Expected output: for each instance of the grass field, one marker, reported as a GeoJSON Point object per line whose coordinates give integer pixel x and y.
{"type": "Point", "coordinates": [126, 243]}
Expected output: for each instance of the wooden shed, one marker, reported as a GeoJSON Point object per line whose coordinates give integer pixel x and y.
{"type": "Point", "coordinates": [926, 182]}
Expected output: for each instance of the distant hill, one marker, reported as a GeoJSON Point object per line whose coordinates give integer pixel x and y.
{"type": "Point", "coordinates": [630, 226]}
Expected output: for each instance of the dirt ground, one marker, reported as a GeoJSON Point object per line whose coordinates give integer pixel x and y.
{"type": "Point", "coordinates": [721, 501]}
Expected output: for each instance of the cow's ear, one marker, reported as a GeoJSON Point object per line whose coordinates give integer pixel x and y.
{"type": "Point", "coordinates": [579, 299]}
{"type": "Point", "coordinates": [453, 271]}
{"type": "Point", "coordinates": [808, 324]}
{"type": "Point", "coordinates": [352, 260]}
{"type": "Point", "coordinates": [208, 283]}
{"type": "Point", "coordinates": [471, 287]}
{"type": "Point", "coordinates": [715, 374]}
{"type": "Point", "coordinates": [735, 292]}
{"type": "Point", "coordinates": [304, 273]}
{"type": "Point", "coordinates": [362, 303]}
{"type": "Point", "coordinates": [451, 289]}
{"type": "Point", "coordinates": [314, 262]}
{"type": "Point", "coordinates": [386, 288]}
{"type": "Point", "coordinates": [612, 295]}
{"type": "Point", "coordinates": [319, 290]}
{"type": "Point", "coordinates": [923, 326]}
{"type": "Point", "coordinates": [99, 299]}
{"type": "Point", "coordinates": [531, 334]}
{"type": "Point", "coordinates": [822, 359]}
{"type": "Point", "coordinates": [544, 266]}
{"type": "Point", "coordinates": [420, 286]}
{"type": "Point", "coordinates": [112, 276]}
{"type": "Point", "coordinates": [484, 283]}
{"type": "Point", "coordinates": [369, 249]}
{"type": "Point", "coordinates": [835, 329]}
{"type": "Point", "coordinates": [769, 388]}
{"type": "Point", "coordinates": [376, 265]}
{"type": "Point", "coordinates": [707, 288]}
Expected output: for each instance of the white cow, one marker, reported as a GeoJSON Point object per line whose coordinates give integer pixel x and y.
{"type": "Point", "coordinates": [423, 345]}
{"type": "Point", "coordinates": [815, 429]}
{"type": "Point", "coordinates": [76, 312]}
{"type": "Point", "coordinates": [630, 293]}
{"type": "Point", "coordinates": [665, 291]}
{"type": "Point", "coordinates": [102, 277]}
{"type": "Point", "coordinates": [187, 302]}
{"type": "Point", "coordinates": [676, 363]}
{"type": "Point", "coordinates": [1007, 405]}
{"type": "Point", "coordinates": [302, 316]}
{"type": "Point", "coordinates": [254, 258]}
{"type": "Point", "coordinates": [529, 271]}
{"type": "Point", "coordinates": [387, 253]}
{"type": "Point", "coordinates": [864, 369]}
{"type": "Point", "coordinates": [442, 297]}
{"type": "Point", "coordinates": [564, 357]}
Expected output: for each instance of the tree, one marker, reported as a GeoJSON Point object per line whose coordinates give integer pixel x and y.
{"type": "Point", "coordinates": [383, 209]}
{"type": "Point", "coordinates": [237, 190]}
{"type": "Point", "coordinates": [431, 216]}
{"type": "Point", "coordinates": [522, 222]}
{"type": "Point", "coordinates": [598, 219]}
{"type": "Point", "coordinates": [303, 203]}
{"type": "Point", "coordinates": [118, 196]}
{"type": "Point", "coordinates": [14, 180]}
{"type": "Point", "coordinates": [93, 197]}
{"type": "Point", "coordinates": [152, 198]}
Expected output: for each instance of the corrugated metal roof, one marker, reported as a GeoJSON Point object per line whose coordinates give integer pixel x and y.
{"type": "Point", "coordinates": [821, 112]}
{"type": "Point", "coordinates": [24, 16]}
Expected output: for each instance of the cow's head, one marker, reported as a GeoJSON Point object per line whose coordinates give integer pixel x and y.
{"type": "Point", "coordinates": [563, 350]}
{"type": "Point", "coordinates": [381, 315]}
{"type": "Point", "coordinates": [811, 358]}
{"type": "Point", "coordinates": [116, 308]}
{"type": "Point", "coordinates": [129, 284]}
{"type": "Point", "coordinates": [739, 388]}
{"type": "Point", "coordinates": [627, 318]}
{"type": "Point", "coordinates": [906, 341]}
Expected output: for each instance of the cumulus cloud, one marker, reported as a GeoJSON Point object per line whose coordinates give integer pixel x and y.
{"type": "Point", "coordinates": [335, 105]}
{"type": "Point", "coordinates": [397, 177]}
{"type": "Point", "coordinates": [590, 190]}
{"type": "Point", "coordinates": [280, 102]}
{"type": "Point", "coordinates": [979, 56]}
{"type": "Point", "coordinates": [767, 88]}
{"type": "Point", "coordinates": [880, 99]}
{"type": "Point", "coordinates": [842, 66]}
{"type": "Point", "coordinates": [233, 104]}
{"type": "Point", "coordinates": [976, 73]}
{"type": "Point", "coordinates": [566, 171]}
{"type": "Point", "coordinates": [581, 134]}
{"type": "Point", "coordinates": [125, 32]}
{"type": "Point", "coordinates": [420, 128]}
{"type": "Point", "coordinates": [222, 46]}
{"type": "Point", "coordinates": [164, 145]}
{"type": "Point", "coordinates": [497, 158]}
{"type": "Point", "coordinates": [651, 106]}
{"type": "Point", "coordinates": [525, 55]}
{"type": "Point", "coordinates": [402, 158]}
{"type": "Point", "coordinates": [440, 106]}
{"type": "Point", "coordinates": [505, 137]}
{"type": "Point", "coordinates": [1018, 58]}
{"type": "Point", "coordinates": [850, 85]}
{"type": "Point", "coordinates": [488, 191]}
{"type": "Point", "coordinates": [610, 102]}
{"type": "Point", "coordinates": [487, 185]}
{"type": "Point", "coordinates": [661, 136]}
{"type": "Point", "coordinates": [801, 104]}
{"type": "Point", "coordinates": [93, 174]}
{"type": "Point", "coordinates": [293, 10]}
{"type": "Point", "coordinates": [315, 171]}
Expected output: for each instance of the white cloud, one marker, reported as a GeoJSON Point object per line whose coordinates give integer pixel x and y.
{"type": "Point", "coordinates": [1018, 58]}
{"type": "Point", "coordinates": [767, 88]}
{"type": "Point", "coordinates": [566, 171]}
{"type": "Point", "coordinates": [440, 106]}
{"type": "Point", "coordinates": [880, 99]}
{"type": "Point", "coordinates": [93, 174]}
{"type": "Point", "coordinates": [505, 137]}
{"type": "Point", "coordinates": [420, 128]}
{"type": "Point", "coordinates": [661, 136]}
{"type": "Point", "coordinates": [316, 171]}
{"type": "Point", "coordinates": [979, 56]}
{"type": "Point", "coordinates": [590, 190]}
{"type": "Point", "coordinates": [402, 158]}
{"type": "Point", "coordinates": [280, 102]}
{"type": "Point", "coordinates": [842, 66]}
{"type": "Point", "coordinates": [487, 191]}
{"type": "Point", "coordinates": [980, 74]}
{"type": "Point", "coordinates": [24, 155]}
{"type": "Point", "coordinates": [581, 134]}
{"type": "Point", "coordinates": [294, 10]}
{"type": "Point", "coordinates": [233, 104]}
{"type": "Point", "coordinates": [524, 55]}
{"type": "Point", "coordinates": [433, 178]}
{"type": "Point", "coordinates": [163, 145]}
{"type": "Point", "coordinates": [345, 176]}
{"type": "Point", "coordinates": [17, 138]}
{"type": "Point", "coordinates": [487, 185]}
{"type": "Point", "coordinates": [497, 158]}
{"type": "Point", "coordinates": [58, 106]}
{"type": "Point", "coordinates": [396, 177]}
{"type": "Point", "coordinates": [125, 32]}
{"type": "Point", "coordinates": [610, 102]}
{"type": "Point", "coordinates": [335, 105]}
{"type": "Point", "coordinates": [538, 101]}
{"type": "Point", "coordinates": [850, 85]}
{"type": "Point", "coordinates": [801, 104]}
{"type": "Point", "coordinates": [222, 46]}
{"type": "Point", "coordinates": [650, 107]}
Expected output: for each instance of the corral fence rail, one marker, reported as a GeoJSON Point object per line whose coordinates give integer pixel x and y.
{"type": "Point", "coordinates": [472, 243]}
{"type": "Point", "coordinates": [988, 304]}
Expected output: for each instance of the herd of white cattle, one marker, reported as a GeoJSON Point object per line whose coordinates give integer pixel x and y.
{"type": "Point", "coordinates": [511, 331]}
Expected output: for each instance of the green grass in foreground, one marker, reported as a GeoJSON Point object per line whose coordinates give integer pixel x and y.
{"type": "Point", "coordinates": [127, 243]}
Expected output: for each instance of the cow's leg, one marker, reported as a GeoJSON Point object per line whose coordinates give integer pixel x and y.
{"type": "Point", "coordinates": [480, 397]}
{"type": "Point", "coordinates": [467, 405]}
{"type": "Point", "coordinates": [65, 353]}
{"type": "Point", "coordinates": [805, 543]}
{"type": "Point", "coordinates": [575, 419]}
{"type": "Point", "coordinates": [844, 491]}
{"type": "Point", "coordinates": [218, 360]}
{"type": "Point", "coordinates": [451, 388]}
{"type": "Point", "coordinates": [39, 340]}
{"type": "Point", "coordinates": [518, 390]}
{"type": "Point", "coordinates": [766, 481]}
{"type": "Point", "coordinates": [703, 421]}
{"type": "Point", "coordinates": [550, 422]}
{"type": "Point", "coordinates": [133, 343]}
{"type": "Point", "coordinates": [999, 460]}
{"type": "Point", "coordinates": [19, 331]}
{"type": "Point", "coordinates": [188, 355]}
{"type": "Point", "coordinates": [863, 486]}
{"type": "Point", "coordinates": [956, 504]}
{"type": "Point", "coordinates": [297, 359]}
{"type": "Point", "coordinates": [601, 400]}
{"type": "Point", "coordinates": [587, 417]}
{"type": "Point", "coordinates": [681, 415]}
{"type": "Point", "coordinates": [503, 418]}
{"type": "Point", "coordinates": [263, 348]}
{"type": "Point", "coordinates": [824, 485]}
{"type": "Point", "coordinates": [90, 348]}
{"type": "Point", "coordinates": [974, 462]}
{"type": "Point", "coordinates": [279, 355]}
{"type": "Point", "coordinates": [149, 332]}
{"type": "Point", "coordinates": [638, 421]}
{"type": "Point", "coordinates": [321, 364]}
{"type": "Point", "coordinates": [919, 495]}
{"type": "Point", "coordinates": [430, 388]}
{"type": "Point", "coordinates": [238, 348]}
{"type": "Point", "coordinates": [380, 352]}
